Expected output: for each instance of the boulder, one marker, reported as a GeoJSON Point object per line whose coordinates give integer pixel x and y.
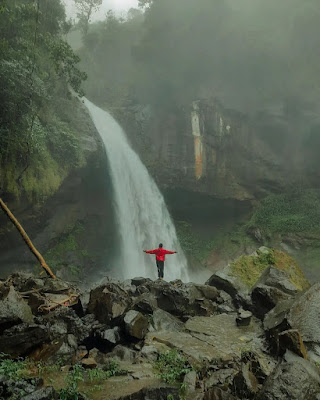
{"type": "Point", "coordinates": [226, 281]}
{"type": "Point", "coordinates": [123, 353]}
{"type": "Point", "coordinates": [19, 340]}
{"type": "Point", "coordinates": [153, 393]}
{"type": "Point", "coordinates": [140, 281]}
{"type": "Point", "coordinates": [146, 303]}
{"type": "Point", "coordinates": [89, 363]}
{"type": "Point", "coordinates": [163, 321]}
{"type": "Point", "coordinates": [292, 340]}
{"type": "Point", "coordinates": [108, 302]}
{"type": "Point", "coordinates": [181, 300]}
{"type": "Point", "coordinates": [274, 285]}
{"type": "Point", "coordinates": [150, 353]}
{"type": "Point", "coordinates": [209, 292]}
{"type": "Point", "coordinates": [218, 393]}
{"type": "Point", "coordinates": [239, 278]}
{"type": "Point", "coordinates": [245, 384]}
{"type": "Point", "coordinates": [13, 309]}
{"type": "Point", "coordinates": [244, 317]}
{"type": "Point", "coordinates": [300, 313]}
{"type": "Point", "coordinates": [223, 376]}
{"type": "Point", "coordinates": [293, 379]}
{"type": "Point", "coordinates": [136, 324]}
{"type": "Point", "coordinates": [190, 380]}
{"type": "Point", "coordinates": [111, 336]}
{"type": "Point", "coordinates": [45, 393]}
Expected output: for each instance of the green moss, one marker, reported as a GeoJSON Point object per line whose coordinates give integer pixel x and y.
{"type": "Point", "coordinates": [248, 269]}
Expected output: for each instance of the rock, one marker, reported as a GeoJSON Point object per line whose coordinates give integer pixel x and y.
{"type": "Point", "coordinates": [150, 353]}
{"type": "Point", "coordinates": [218, 393]}
{"type": "Point", "coordinates": [140, 281]}
{"type": "Point", "coordinates": [261, 364]}
{"type": "Point", "coordinates": [244, 317]}
{"type": "Point", "coordinates": [21, 339]}
{"type": "Point", "coordinates": [182, 301]}
{"type": "Point", "coordinates": [112, 336]}
{"type": "Point", "coordinates": [224, 280]}
{"type": "Point", "coordinates": [108, 302]}
{"type": "Point", "coordinates": [293, 379]}
{"type": "Point", "coordinates": [153, 393]}
{"type": "Point", "coordinates": [16, 388]}
{"type": "Point", "coordinates": [245, 384]}
{"type": "Point", "coordinates": [190, 380]}
{"type": "Point", "coordinates": [209, 292]}
{"type": "Point", "coordinates": [209, 338]}
{"type": "Point", "coordinates": [220, 377]}
{"type": "Point", "coordinates": [225, 309]}
{"type": "Point", "coordinates": [124, 354]}
{"type": "Point", "coordinates": [300, 313]}
{"type": "Point", "coordinates": [163, 321]}
{"type": "Point", "coordinates": [89, 363]}
{"type": "Point", "coordinates": [292, 340]}
{"type": "Point", "coordinates": [145, 303]}
{"type": "Point", "coordinates": [274, 285]}
{"type": "Point", "coordinates": [136, 324]}
{"type": "Point", "coordinates": [13, 309]}
{"type": "Point", "coordinates": [45, 393]}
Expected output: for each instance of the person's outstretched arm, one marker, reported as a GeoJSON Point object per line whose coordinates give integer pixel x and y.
{"type": "Point", "coordinates": [150, 251]}
{"type": "Point", "coordinates": [169, 252]}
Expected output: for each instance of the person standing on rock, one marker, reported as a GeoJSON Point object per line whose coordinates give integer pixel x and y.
{"type": "Point", "coordinates": [160, 253]}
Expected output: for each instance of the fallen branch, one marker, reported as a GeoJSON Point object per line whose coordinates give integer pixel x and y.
{"type": "Point", "coordinates": [66, 302]}
{"type": "Point", "coordinates": [26, 239]}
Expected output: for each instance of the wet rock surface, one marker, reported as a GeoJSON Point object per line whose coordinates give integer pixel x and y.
{"type": "Point", "coordinates": [231, 354]}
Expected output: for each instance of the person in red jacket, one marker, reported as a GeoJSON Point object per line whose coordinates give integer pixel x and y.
{"type": "Point", "coordinates": [160, 258]}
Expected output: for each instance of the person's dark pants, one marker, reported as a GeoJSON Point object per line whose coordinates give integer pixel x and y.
{"type": "Point", "coordinates": [160, 266]}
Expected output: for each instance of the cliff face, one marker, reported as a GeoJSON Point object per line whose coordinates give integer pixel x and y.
{"type": "Point", "coordinates": [205, 149]}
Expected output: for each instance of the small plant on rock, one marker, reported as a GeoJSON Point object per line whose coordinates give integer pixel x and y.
{"type": "Point", "coordinates": [172, 366]}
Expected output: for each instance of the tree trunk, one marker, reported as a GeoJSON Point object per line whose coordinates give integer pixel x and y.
{"type": "Point", "coordinates": [26, 239]}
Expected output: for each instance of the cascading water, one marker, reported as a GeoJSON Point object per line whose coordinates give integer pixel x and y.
{"type": "Point", "coordinates": [141, 212]}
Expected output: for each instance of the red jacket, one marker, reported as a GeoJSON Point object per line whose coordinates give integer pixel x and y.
{"type": "Point", "coordinates": [160, 253]}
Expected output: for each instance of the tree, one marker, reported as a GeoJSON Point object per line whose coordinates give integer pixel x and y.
{"type": "Point", "coordinates": [86, 8]}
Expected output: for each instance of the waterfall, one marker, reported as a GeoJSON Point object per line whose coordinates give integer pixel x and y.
{"type": "Point", "coordinates": [141, 213]}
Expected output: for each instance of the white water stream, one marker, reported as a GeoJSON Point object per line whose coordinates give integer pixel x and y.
{"type": "Point", "coordinates": [141, 213]}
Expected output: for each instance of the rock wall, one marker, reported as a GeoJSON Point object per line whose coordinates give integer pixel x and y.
{"type": "Point", "coordinates": [205, 148]}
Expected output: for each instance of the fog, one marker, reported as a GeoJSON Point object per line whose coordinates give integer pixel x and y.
{"type": "Point", "coordinates": [119, 6]}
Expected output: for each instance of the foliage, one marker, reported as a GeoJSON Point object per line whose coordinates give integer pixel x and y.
{"type": "Point", "coordinates": [36, 67]}
{"type": "Point", "coordinates": [295, 212]}
{"type": "Point", "coordinates": [13, 369]}
{"type": "Point", "coordinates": [172, 366]}
{"type": "Point", "coordinates": [85, 10]}
{"type": "Point", "coordinates": [71, 392]}
{"type": "Point", "coordinates": [193, 244]}
{"type": "Point", "coordinates": [111, 369]}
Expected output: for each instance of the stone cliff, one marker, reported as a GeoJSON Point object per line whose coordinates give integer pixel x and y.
{"type": "Point", "coordinates": [206, 149]}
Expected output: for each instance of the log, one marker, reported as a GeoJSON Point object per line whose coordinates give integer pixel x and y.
{"type": "Point", "coordinates": [26, 238]}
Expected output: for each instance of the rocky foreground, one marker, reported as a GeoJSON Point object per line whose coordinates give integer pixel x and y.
{"type": "Point", "coordinates": [144, 339]}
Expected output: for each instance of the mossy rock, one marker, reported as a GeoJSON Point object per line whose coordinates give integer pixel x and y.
{"type": "Point", "coordinates": [248, 269]}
